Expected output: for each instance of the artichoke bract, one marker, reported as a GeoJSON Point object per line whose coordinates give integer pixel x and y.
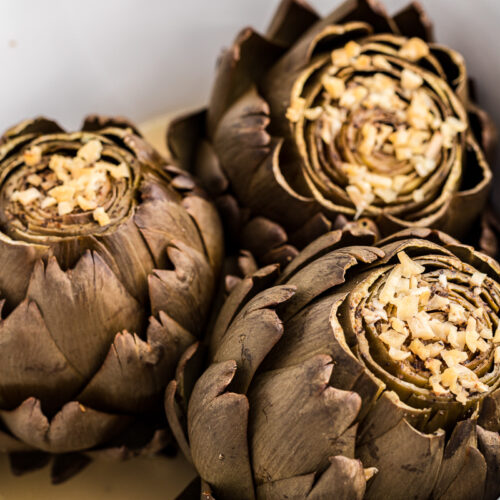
{"type": "Point", "coordinates": [359, 370]}
{"type": "Point", "coordinates": [354, 115]}
{"type": "Point", "coordinates": [108, 261]}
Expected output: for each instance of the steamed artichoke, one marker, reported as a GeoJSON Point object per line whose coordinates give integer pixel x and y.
{"type": "Point", "coordinates": [354, 115]}
{"type": "Point", "coordinates": [108, 261]}
{"type": "Point", "coordinates": [359, 370]}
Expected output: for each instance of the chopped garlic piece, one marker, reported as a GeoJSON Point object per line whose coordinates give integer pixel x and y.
{"type": "Point", "coordinates": [418, 348]}
{"type": "Point", "coordinates": [409, 267]}
{"type": "Point", "coordinates": [398, 355]}
{"type": "Point", "coordinates": [453, 357]}
{"type": "Point", "coordinates": [434, 366]}
{"type": "Point", "coordinates": [91, 151]}
{"type": "Point", "coordinates": [47, 202]}
{"type": "Point", "coordinates": [27, 196]}
{"type": "Point", "coordinates": [477, 278]}
{"type": "Point", "coordinates": [414, 49]}
{"type": "Point", "coordinates": [389, 289]}
{"type": "Point", "coordinates": [101, 216]}
{"type": "Point", "coordinates": [34, 180]}
{"type": "Point", "coordinates": [393, 338]}
{"type": "Point", "coordinates": [334, 86]}
{"type": "Point", "coordinates": [32, 156]}
{"type": "Point", "coordinates": [411, 80]}
{"type": "Point", "coordinates": [65, 207]}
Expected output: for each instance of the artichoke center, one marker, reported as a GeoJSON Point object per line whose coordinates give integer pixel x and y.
{"type": "Point", "coordinates": [379, 125]}
{"type": "Point", "coordinates": [438, 329]}
{"type": "Point", "coordinates": [49, 187]}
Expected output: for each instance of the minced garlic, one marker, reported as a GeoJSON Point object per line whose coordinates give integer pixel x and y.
{"type": "Point", "coordinates": [419, 319]}
{"type": "Point", "coordinates": [70, 183]}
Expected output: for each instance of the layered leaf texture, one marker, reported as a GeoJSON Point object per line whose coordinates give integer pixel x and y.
{"type": "Point", "coordinates": [319, 386]}
{"type": "Point", "coordinates": [101, 291]}
{"type": "Point", "coordinates": [354, 116]}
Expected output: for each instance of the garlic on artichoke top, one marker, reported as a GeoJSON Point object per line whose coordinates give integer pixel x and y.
{"type": "Point", "coordinates": [394, 131]}
{"type": "Point", "coordinates": [57, 185]}
{"type": "Point", "coordinates": [437, 327]}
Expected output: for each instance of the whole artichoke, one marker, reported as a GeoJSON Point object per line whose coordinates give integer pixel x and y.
{"type": "Point", "coordinates": [108, 261]}
{"type": "Point", "coordinates": [360, 367]}
{"type": "Point", "coordinates": [357, 114]}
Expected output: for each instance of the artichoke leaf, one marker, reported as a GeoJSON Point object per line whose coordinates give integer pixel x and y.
{"type": "Point", "coordinates": [31, 363]}
{"type": "Point", "coordinates": [252, 334]}
{"type": "Point", "coordinates": [217, 427]}
{"type": "Point", "coordinates": [489, 445]}
{"type": "Point", "coordinates": [74, 427]}
{"type": "Point", "coordinates": [401, 474]}
{"type": "Point", "coordinates": [287, 407]}
{"type": "Point", "coordinates": [83, 308]}
{"type": "Point", "coordinates": [241, 293]}
{"type": "Point", "coordinates": [463, 469]}
{"type": "Point", "coordinates": [185, 292]}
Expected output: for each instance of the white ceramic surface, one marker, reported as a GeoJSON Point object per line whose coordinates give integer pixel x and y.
{"type": "Point", "coordinates": [66, 58]}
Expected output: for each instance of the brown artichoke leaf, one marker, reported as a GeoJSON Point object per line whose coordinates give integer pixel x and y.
{"type": "Point", "coordinates": [466, 204]}
{"type": "Point", "coordinates": [185, 292]}
{"type": "Point", "coordinates": [489, 445]}
{"type": "Point", "coordinates": [39, 125]}
{"type": "Point", "coordinates": [242, 64]}
{"type": "Point", "coordinates": [217, 426]}
{"type": "Point", "coordinates": [312, 229]}
{"type": "Point", "coordinates": [127, 254]}
{"type": "Point", "coordinates": [131, 376]}
{"type": "Point", "coordinates": [277, 188]}
{"type": "Point", "coordinates": [253, 334]}
{"type": "Point", "coordinates": [291, 19]}
{"type": "Point", "coordinates": [242, 292]}
{"type": "Point", "coordinates": [307, 334]}
{"type": "Point", "coordinates": [207, 221]}
{"type": "Point", "coordinates": [325, 273]}
{"type": "Point", "coordinates": [74, 427]}
{"type": "Point", "coordinates": [372, 12]}
{"type": "Point", "coordinates": [83, 309]}
{"type": "Point", "coordinates": [484, 130]}
{"type": "Point", "coordinates": [413, 21]}
{"type": "Point", "coordinates": [158, 232]}
{"type": "Point", "coordinates": [354, 376]}
{"type": "Point", "coordinates": [31, 363]}
{"type": "Point", "coordinates": [297, 487]}
{"type": "Point", "coordinates": [480, 261]}
{"type": "Point", "coordinates": [207, 168]}
{"type": "Point", "coordinates": [282, 255]}
{"type": "Point", "coordinates": [261, 234]}
{"type": "Point", "coordinates": [241, 139]}
{"type": "Point", "coordinates": [93, 123]}
{"type": "Point", "coordinates": [17, 260]}
{"type": "Point", "coordinates": [182, 135]}
{"type": "Point", "coordinates": [453, 65]}
{"type": "Point", "coordinates": [489, 417]}
{"type": "Point", "coordinates": [344, 478]}
{"type": "Point", "coordinates": [324, 244]}
{"type": "Point", "coordinates": [287, 407]}
{"type": "Point", "coordinates": [463, 469]}
{"type": "Point", "coordinates": [424, 233]}
{"type": "Point", "coordinates": [401, 474]}
{"type": "Point", "coordinates": [386, 413]}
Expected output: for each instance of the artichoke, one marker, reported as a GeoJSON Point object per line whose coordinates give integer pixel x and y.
{"type": "Point", "coordinates": [360, 370]}
{"type": "Point", "coordinates": [320, 120]}
{"type": "Point", "coordinates": [108, 262]}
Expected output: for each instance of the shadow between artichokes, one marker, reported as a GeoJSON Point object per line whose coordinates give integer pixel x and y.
{"type": "Point", "coordinates": [356, 114]}
{"type": "Point", "coordinates": [108, 261]}
{"type": "Point", "coordinates": [321, 382]}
